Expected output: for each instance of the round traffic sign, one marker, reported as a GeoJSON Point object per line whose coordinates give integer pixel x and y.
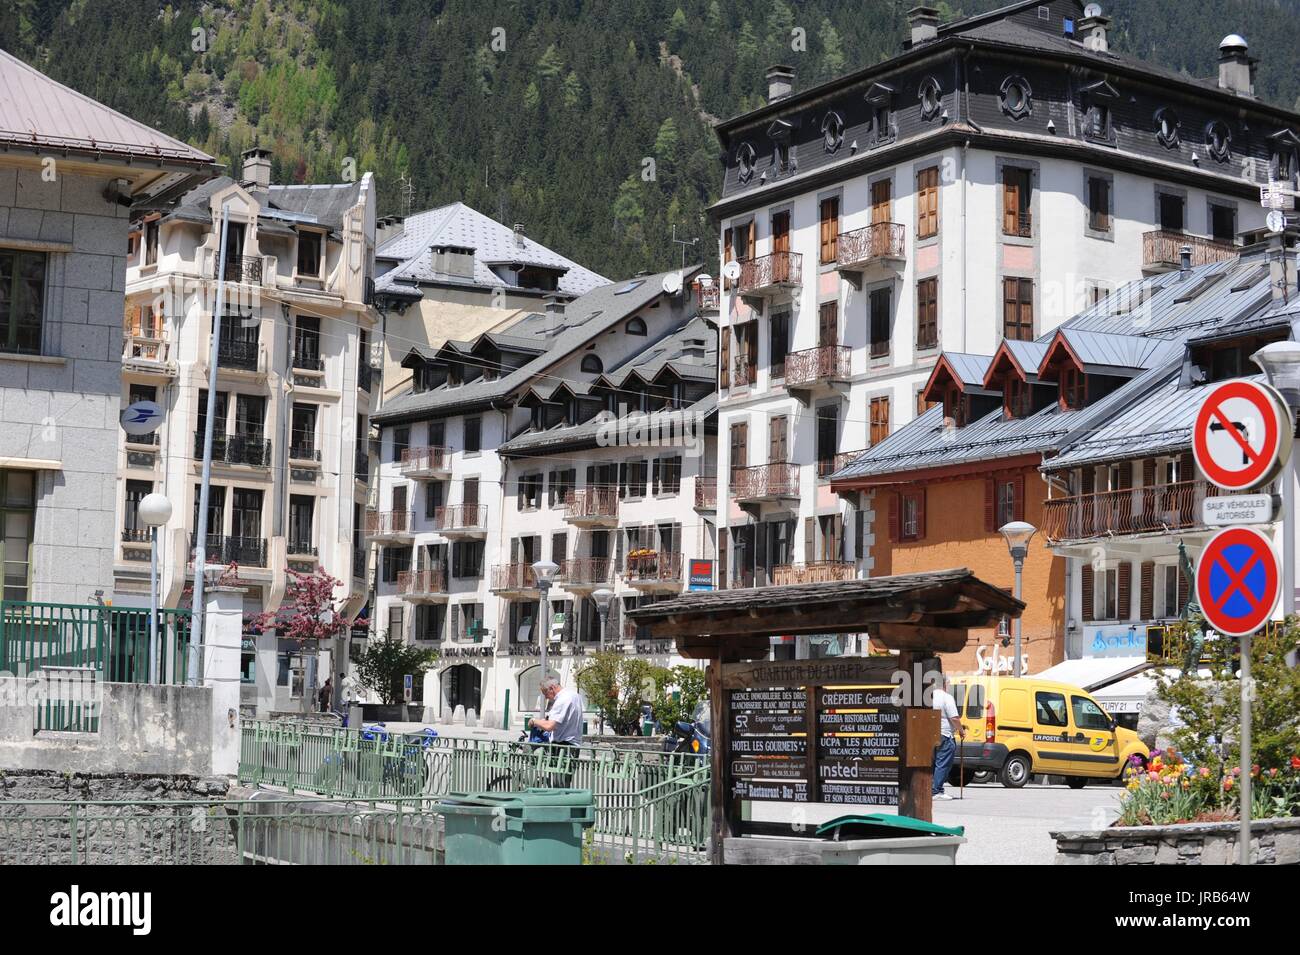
{"type": "Point", "coordinates": [1237, 581]}
{"type": "Point", "coordinates": [1241, 436]}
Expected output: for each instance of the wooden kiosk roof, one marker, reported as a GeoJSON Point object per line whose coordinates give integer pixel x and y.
{"type": "Point", "coordinates": [927, 612]}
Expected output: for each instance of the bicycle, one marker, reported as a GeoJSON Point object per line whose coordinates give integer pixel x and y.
{"type": "Point", "coordinates": [532, 763]}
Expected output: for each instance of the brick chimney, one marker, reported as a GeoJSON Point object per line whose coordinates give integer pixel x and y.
{"type": "Point", "coordinates": [1092, 31]}
{"type": "Point", "coordinates": [257, 170]}
{"type": "Point", "coordinates": [1236, 68]}
{"type": "Point", "coordinates": [924, 22]}
{"type": "Point", "coordinates": [780, 82]}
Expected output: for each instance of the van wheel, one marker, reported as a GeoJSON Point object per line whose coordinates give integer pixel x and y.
{"type": "Point", "coordinates": [1016, 771]}
{"type": "Point", "coordinates": [1076, 782]}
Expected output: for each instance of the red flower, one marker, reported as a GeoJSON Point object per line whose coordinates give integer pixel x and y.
{"type": "Point", "coordinates": [1295, 762]}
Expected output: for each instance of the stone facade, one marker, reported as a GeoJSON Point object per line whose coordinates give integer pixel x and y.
{"type": "Point", "coordinates": [1273, 842]}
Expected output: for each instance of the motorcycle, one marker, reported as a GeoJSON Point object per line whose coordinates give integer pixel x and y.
{"type": "Point", "coordinates": [691, 737]}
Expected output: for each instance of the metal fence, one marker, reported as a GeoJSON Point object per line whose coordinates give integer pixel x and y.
{"type": "Point", "coordinates": [113, 641]}
{"type": "Point", "coordinates": [218, 832]}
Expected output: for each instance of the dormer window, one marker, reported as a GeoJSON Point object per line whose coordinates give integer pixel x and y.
{"type": "Point", "coordinates": [1097, 98]}
{"type": "Point", "coordinates": [635, 326]}
{"type": "Point", "coordinates": [592, 365]}
{"type": "Point", "coordinates": [746, 161]}
{"type": "Point", "coordinates": [1099, 122]}
{"type": "Point", "coordinates": [832, 132]}
{"type": "Point", "coordinates": [310, 254]}
{"type": "Point", "coordinates": [931, 97]}
{"type": "Point", "coordinates": [1284, 157]}
{"type": "Point", "coordinates": [881, 99]}
{"type": "Point", "coordinates": [1074, 388]}
{"type": "Point", "coordinates": [455, 376]}
{"type": "Point", "coordinates": [1017, 98]}
{"type": "Point", "coordinates": [1167, 127]}
{"type": "Point", "coordinates": [780, 133]}
{"type": "Point", "coordinates": [1016, 399]}
{"type": "Point", "coordinates": [151, 242]}
{"type": "Point", "coordinates": [1218, 140]}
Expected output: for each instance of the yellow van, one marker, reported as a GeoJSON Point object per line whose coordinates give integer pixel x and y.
{"type": "Point", "coordinates": [1017, 727]}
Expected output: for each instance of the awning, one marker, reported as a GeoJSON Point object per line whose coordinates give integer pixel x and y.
{"type": "Point", "coordinates": [1123, 696]}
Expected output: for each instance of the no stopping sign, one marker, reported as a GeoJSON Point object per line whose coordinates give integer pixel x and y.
{"type": "Point", "coordinates": [1242, 435]}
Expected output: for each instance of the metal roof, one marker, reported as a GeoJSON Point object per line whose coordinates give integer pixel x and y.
{"type": "Point", "coordinates": [457, 225]}
{"type": "Point", "coordinates": [1109, 352]}
{"type": "Point", "coordinates": [969, 369]}
{"type": "Point", "coordinates": [39, 113]}
{"type": "Point", "coordinates": [585, 435]}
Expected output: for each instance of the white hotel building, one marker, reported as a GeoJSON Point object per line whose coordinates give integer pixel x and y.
{"type": "Point", "coordinates": [997, 176]}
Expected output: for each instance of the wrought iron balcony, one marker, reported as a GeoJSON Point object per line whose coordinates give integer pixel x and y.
{"type": "Point", "coordinates": [513, 578]}
{"type": "Point", "coordinates": [653, 569]}
{"type": "Point", "coordinates": [1162, 250]}
{"type": "Point", "coordinates": [304, 450]}
{"type": "Point", "coordinates": [826, 466]}
{"type": "Point", "coordinates": [706, 492]}
{"type": "Point", "coordinates": [423, 586]}
{"type": "Point", "coordinates": [358, 565]}
{"type": "Point", "coordinates": [1022, 228]}
{"type": "Point", "coordinates": [813, 572]}
{"type": "Point", "coordinates": [586, 573]}
{"type": "Point", "coordinates": [825, 366]}
{"type": "Point", "coordinates": [308, 362]}
{"type": "Point", "coordinates": [1155, 509]}
{"type": "Point", "coordinates": [136, 535]}
{"type": "Point", "coordinates": [252, 450]}
{"type": "Point", "coordinates": [430, 462]}
{"type": "Point", "coordinates": [707, 298]}
{"type": "Point", "coordinates": [242, 268]}
{"type": "Point", "coordinates": [362, 465]}
{"type": "Point", "coordinates": [365, 374]}
{"type": "Point", "coordinates": [881, 243]}
{"type": "Point", "coordinates": [389, 526]}
{"type": "Point", "coordinates": [592, 507]}
{"type": "Point", "coordinates": [765, 482]}
{"type": "Point", "coordinates": [300, 548]}
{"type": "Point", "coordinates": [461, 520]}
{"type": "Point", "coordinates": [245, 551]}
{"type": "Point", "coordinates": [743, 373]}
{"type": "Point", "coordinates": [240, 354]}
{"type": "Point", "coordinates": [770, 274]}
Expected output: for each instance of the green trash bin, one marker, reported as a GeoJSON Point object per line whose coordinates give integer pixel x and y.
{"type": "Point", "coordinates": [533, 827]}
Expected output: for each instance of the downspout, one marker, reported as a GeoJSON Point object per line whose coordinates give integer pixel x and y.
{"type": "Point", "coordinates": [1067, 605]}
{"type": "Point", "coordinates": [964, 244]}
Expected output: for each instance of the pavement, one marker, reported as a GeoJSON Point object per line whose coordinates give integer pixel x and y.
{"type": "Point", "coordinates": [1012, 826]}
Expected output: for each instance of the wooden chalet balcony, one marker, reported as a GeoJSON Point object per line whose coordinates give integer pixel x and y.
{"type": "Point", "coordinates": [815, 369]}
{"type": "Point", "coordinates": [389, 526]}
{"type": "Point", "coordinates": [592, 507]}
{"type": "Point", "coordinates": [1140, 510]}
{"type": "Point", "coordinates": [654, 570]}
{"type": "Point", "coordinates": [586, 573]}
{"type": "Point", "coordinates": [879, 244]}
{"type": "Point", "coordinates": [1162, 249]}
{"type": "Point", "coordinates": [431, 462]}
{"type": "Point", "coordinates": [461, 520]}
{"type": "Point", "coordinates": [706, 492]}
{"type": "Point", "coordinates": [814, 572]}
{"type": "Point", "coordinates": [516, 578]}
{"type": "Point", "coordinates": [423, 586]}
{"type": "Point", "coordinates": [770, 275]}
{"type": "Point", "coordinates": [765, 482]}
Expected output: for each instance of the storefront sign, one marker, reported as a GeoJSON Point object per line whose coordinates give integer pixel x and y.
{"type": "Point", "coordinates": [701, 577]}
{"type": "Point", "coordinates": [1115, 642]}
{"type": "Point", "coordinates": [995, 661]}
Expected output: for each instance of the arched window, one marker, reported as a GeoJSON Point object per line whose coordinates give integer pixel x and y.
{"type": "Point", "coordinates": [592, 364]}
{"type": "Point", "coordinates": [635, 327]}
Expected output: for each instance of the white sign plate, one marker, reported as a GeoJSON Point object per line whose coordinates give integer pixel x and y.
{"type": "Point", "coordinates": [142, 417]}
{"type": "Point", "coordinates": [1276, 196]}
{"type": "Point", "coordinates": [1229, 510]}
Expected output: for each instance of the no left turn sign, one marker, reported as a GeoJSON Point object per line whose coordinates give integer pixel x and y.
{"type": "Point", "coordinates": [1242, 435]}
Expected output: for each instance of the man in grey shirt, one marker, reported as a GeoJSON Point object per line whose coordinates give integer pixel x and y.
{"type": "Point", "coordinates": [563, 718]}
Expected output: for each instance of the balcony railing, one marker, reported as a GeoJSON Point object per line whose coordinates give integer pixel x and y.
{"type": "Point", "coordinates": [243, 268]}
{"type": "Point", "coordinates": [358, 565]}
{"type": "Point", "coordinates": [1157, 508]}
{"type": "Point", "coordinates": [238, 353]}
{"type": "Point", "coordinates": [136, 535]}
{"type": "Point", "coordinates": [813, 366]}
{"type": "Point", "coordinates": [814, 572]}
{"type": "Point", "coordinates": [829, 465]}
{"type": "Point", "coordinates": [304, 451]}
{"type": "Point", "coordinates": [591, 504]}
{"type": "Point", "coordinates": [252, 450]}
{"type": "Point", "coordinates": [308, 362]}
{"type": "Point", "coordinates": [301, 548]}
{"type": "Point", "coordinates": [517, 576]}
{"type": "Point", "coordinates": [365, 374]}
{"type": "Point", "coordinates": [586, 572]}
{"type": "Point", "coordinates": [877, 242]}
{"type": "Point", "coordinates": [1162, 249]}
{"type": "Point", "coordinates": [769, 272]}
{"type": "Point", "coordinates": [388, 523]}
{"type": "Point", "coordinates": [707, 298]}
{"type": "Point", "coordinates": [653, 567]}
{"type": "Point", "coordinates": [451, 517]}
{"type": "Point", "coordinates": [362, 465]}
{"type": "Point", "coordinates": [742, 373]}
{"type": "Point", "coordinates": [1023, 227]}
{"type": "Point", "coordinates": [706, 492]}
{"type": "Point", "coordinates": [143, 348]}
{"type": "Point", "coordinates": [765, 481]}
{"type": "Point", "coordinates": [245, 551]}
{"type": "Point", "coordinates": [430, 460]}
{"type": "Point", "coordinates": [416, 583]}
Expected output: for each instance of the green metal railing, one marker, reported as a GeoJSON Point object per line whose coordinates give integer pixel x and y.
{"type": "Point", "coordinates": [113, 641]}
{"type": "Point", "coordinates": [218, 832]}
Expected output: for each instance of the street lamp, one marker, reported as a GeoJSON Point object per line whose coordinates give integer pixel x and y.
{"type": "Point", "coordinates": [1018, 535]}
{"type": "Point", "coordinates": [1281, 364]}
{"type": "Point", "coordinates": [544, 571]}
{"type": "Point", "coordinates": [155, 511]}
{"type": "Point", "coordinates": [603, 597]}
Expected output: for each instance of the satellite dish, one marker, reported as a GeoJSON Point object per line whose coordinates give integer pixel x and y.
{"type": "Point", "coordinates": [705, 279]}
{"type": "Point", "coordinates": [141, 417]}
{"type": "Point", "coordinates": [673, 283]}
{"type": "Point", "coordinates": [1275, 221]}
{"type": "Point", "coordinates": [731, 271]}
{"type": "Point", "coordinates": [1092, 10]}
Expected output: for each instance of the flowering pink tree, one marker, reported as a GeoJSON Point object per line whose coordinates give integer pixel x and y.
{"type": "Point", "coordinates": [308, 615]}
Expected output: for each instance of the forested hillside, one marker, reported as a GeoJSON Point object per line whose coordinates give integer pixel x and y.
{"type": "Point", "coordinates": [545, 112]}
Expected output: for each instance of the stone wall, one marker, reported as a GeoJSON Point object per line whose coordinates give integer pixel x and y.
{"type": "Point", "coordinates": [143, 729]}
{"type": "Point", "coordinates": [1273, 842]}
{"type": "Point", "coordinates": [62, 405]}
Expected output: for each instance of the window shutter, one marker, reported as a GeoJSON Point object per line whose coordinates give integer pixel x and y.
{"type": "Point", "coordinates": [751, 239]}
{"type": "Point", "coordinates": [859, 533]}
{"type": "Point", "coordinates": [724, 356]}
{"type": "Point", "coordinates": [1125, 476]}
{"type": "Point", "coordinates": [1010, 202]}
{"type": "Point", "coordinates": [893, 516]}
{"type": "Point", "coordinates": [726, 257]}
{"type": "Point", "coordinates": [455, 621]}
{"type": "Point", "coordinates": [1125, 576]}
{"type": "Point", "coordinates": [1186, 467]}
{"type": "Point", "coordinates": [920, 514]}
{"type": "Point", "coordinates": [654, 479]}
{"type": "Point", "coordinates": [1087, 480]}
{"type": "Point", "coordinates": [1146, 605]}
{"type": "Point", "coordinates": [1149, 471]}
{"type": "Point", "coordinates": [1085, 581]}
{"type": "Point", "coordinates": [1182, 590]}
{"type": "Point", "coordinates": [809, 539]}
{"type": "Point", "coordinates": [1018, 504]}
{"type": "Point", "coordinates": [990, 505]}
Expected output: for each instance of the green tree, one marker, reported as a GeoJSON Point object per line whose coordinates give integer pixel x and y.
{"type": "Point", "coordinates": [617, 686]}
{"type": "Point", "coordinates": [572, 91]}
{"type": "Point", "coordinates": [386, 661]}
{"type": "Point", "coordinates": [551, 64]}
{"type": "Point", "coordinates": [832, 49]}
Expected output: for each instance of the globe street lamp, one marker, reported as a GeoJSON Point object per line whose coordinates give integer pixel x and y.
{"type": "Point", "coordinates": [1018, 535]}
{"type": "Point", "coordinates": [154, 511]}
{"type": "Point", "coordinates": [603, 597]}
{"type": "Point", "coordinates": [544, 571]}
